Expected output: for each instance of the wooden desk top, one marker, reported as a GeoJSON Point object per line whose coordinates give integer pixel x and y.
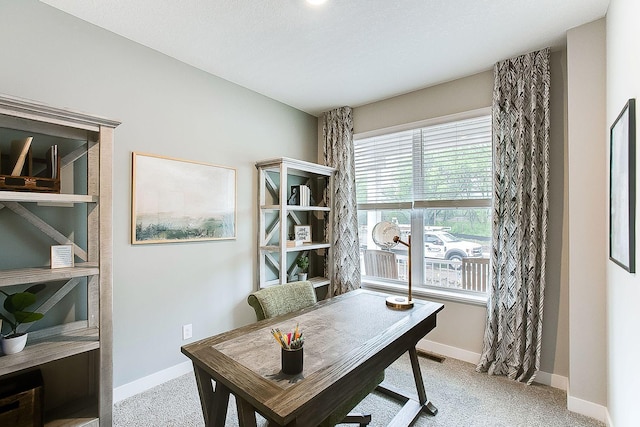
{"type": "Point", "coordinates": [347, 340]}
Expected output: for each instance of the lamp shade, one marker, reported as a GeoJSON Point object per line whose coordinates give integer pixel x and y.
{"type": "Point", "coordinates": [384, 234]}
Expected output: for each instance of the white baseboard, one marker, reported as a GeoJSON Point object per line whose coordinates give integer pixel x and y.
{"type": "Point", "coordinates": [150, 381]}
{"type": "Point", "coordinates": [553, 380]}
{"type": "Point", "coordinates": [587, 408]}
{"type": "Point", "coordinates": [545, 378]}
{"type": "Point", "coordinates": [449, 351]}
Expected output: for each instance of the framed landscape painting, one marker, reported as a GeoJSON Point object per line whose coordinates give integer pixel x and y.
{"type": "Point", "coordinates": [177, 200]}
{"type": "Point", "coordinates": [622, 189]}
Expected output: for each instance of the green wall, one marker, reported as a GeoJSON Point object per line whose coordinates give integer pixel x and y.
{"type": "Point", "coordinates": [170, 109]}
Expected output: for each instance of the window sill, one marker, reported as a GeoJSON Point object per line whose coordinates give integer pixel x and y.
{"type": "Point", "coordinates": [441, 294]}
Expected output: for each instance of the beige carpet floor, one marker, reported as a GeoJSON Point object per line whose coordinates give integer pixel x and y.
{"type": "Point", "coordinates": [463, 398]}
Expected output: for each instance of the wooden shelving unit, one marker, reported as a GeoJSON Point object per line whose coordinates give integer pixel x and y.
{"type": "Point", "coordinates": [75, 356]}
{"type": "Point", "coordinates": [276, 260]}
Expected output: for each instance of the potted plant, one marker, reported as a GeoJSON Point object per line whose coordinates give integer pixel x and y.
{"type": "Point", "coordinates": [15, 305]}
{"type": "Point", "coordinates": [303, 264]}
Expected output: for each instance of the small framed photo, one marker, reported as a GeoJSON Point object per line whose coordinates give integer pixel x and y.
{"type": "Point", "coordinates": [302, 233]}
{"type": "Point", "coordinates": [61, 256]}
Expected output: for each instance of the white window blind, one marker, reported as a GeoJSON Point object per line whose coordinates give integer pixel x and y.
{"type": "Point", "coordinates": [439, 165]}
{"type": "Point", "coordinates": [384, 169]}
{"type": "Point", "coordinates": [456, 161]}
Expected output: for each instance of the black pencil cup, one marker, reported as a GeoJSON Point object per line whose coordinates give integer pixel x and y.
{"type": "Point", "coordinates": [292, 361]}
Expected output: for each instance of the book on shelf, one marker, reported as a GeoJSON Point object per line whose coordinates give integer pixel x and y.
{"type": "Point", "coordinates": [305, 192]}
{"type": "Point", "coordinates": [19, 150]}
{"type": "Point", "coordinates": [294, 243]}
{"type": "Point", "coordinates": [52, 162]}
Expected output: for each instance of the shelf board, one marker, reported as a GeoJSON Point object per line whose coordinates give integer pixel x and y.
{"type": "Point", "coordinates": [49, 349]}
{"type": "Point", "coordinates": [309, 247]}
{"type": "Point", "coordinates": [45, 274]}
{"type": "Point", "coordinates": [319, 281]}
{"type": "Point", "coordinates": [40, 113]}
{"type": "Point", "coordinates": [296, 208]}
{"type": "Point", "coordinates": [308, 208]}
{"type": "Point", "coordinates": [82, 412]}
{"type": "Point", "coordinates": [295, 167]}
{"type": "Point", "coordinates": [269, 283]}
{"type": "Point", "coordinates": [26, 196]}
{"type": "Point", "coordinates": [304, 247]}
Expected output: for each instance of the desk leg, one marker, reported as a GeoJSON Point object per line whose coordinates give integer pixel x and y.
{"type": "Point", "coordinates": [246, 413]}
{"type": "Point", "coordinates": [413, 404]}
{"type": "Point", "coordinates": [417, 375]}
{"type": "Point", "coordinates": [214, 404]}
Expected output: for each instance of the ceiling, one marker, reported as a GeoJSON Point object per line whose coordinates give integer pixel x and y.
{"type": "Point", "coordinates": [345, 52]}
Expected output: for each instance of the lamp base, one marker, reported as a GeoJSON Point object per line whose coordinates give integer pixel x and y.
{"type": "Point", "coordinates": [399, 303]}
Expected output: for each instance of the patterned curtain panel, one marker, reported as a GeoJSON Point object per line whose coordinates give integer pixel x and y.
{"type": "Point", "coordinates": [338, 153]}
{"type": "Point", "coordinates": [513, 332]}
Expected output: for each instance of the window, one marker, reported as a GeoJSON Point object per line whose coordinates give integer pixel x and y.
{"type": "Point", "coordinates": [435, 181]}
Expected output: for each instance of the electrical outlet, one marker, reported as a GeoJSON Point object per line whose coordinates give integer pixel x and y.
{"type": "Point", "coordinates": [187, 331]}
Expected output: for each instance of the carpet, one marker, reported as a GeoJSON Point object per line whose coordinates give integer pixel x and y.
{"type": "Point", "coordinates": [463, 398]}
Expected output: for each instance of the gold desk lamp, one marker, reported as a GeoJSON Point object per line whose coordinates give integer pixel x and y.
{"type": "Point", "coordinates": [387, 235]}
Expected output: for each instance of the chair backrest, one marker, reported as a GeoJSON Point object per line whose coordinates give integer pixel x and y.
{"type": "Point", "coordinates": [282, 299]}
{"type": "Point", "coordinates": [380, 264]}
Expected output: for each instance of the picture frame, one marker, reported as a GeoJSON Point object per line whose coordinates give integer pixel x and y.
{"type": "Point", "coordinates": [175, 200]}
{"type": "Point", "coordinates": [302, 233]}
{"type": "Point", "coordinates": [62, 256]}
{"type": "Point", "coordinates": [622, 188]}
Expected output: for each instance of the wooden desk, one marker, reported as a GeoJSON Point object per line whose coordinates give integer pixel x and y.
{"type": "Point", "coordinates": [348, 339]}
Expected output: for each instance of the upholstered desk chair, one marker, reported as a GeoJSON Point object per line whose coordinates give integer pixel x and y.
{"type": "Point", "coordinates": [282, 299]}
